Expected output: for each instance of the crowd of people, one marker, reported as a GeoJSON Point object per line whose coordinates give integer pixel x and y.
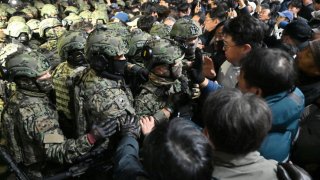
{"type": "Point", "coordinates": [159, 89]}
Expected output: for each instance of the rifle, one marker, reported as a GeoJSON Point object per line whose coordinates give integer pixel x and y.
{"type": "Point", "coordinates": [12, 165]}
{"type": "Point", "coordinates": [92, 160]}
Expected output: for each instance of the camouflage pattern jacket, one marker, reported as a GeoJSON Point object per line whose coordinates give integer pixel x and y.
{"type": "Point", "coordinates": [103, 98]}
{"type": "Point", "coordinates": [33, 134]}
{"type": "Point", "coordinates": [153, 98]}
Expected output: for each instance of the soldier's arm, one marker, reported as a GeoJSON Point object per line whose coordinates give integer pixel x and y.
{"type": "Point", "coordinates": [41, 124]}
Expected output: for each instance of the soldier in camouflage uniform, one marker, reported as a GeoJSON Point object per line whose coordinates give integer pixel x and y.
{"type": "Point", "coordinates": [51, 29]}
{"type": "Point", "coordinates": [103, 93]}
{"type": "Point", "coordinates": [30, 122]}
{"type": "Point", "coordinates": [163, 59]}
{"type": "Point", "coordinates": [18, 34]}
{"type": "Point", "coordinates": [71, 50]}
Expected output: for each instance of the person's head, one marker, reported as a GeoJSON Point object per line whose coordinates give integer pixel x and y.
{"type": "Point", "coordinates": [285, 16]}
{"type": "Point", "coordinates": [161, 30]}
{"type": "Point", "coordinates": [145, 23]}
{"type": "Point", "coordinates": [136, 42]}
{"type": "Point", "coordinates": [176, 150]}
{"type": "Point", "coordinates": [162, 12]}
{"type": "Point", "coordinates": [236, 123]}
{"type": "Point", "coordinates": [316, 5]}
{"type": "Point", "coordinates": [297, 33]}
{"type": "Point", "coordinates": [214, 17]}
{"type": "Point", "coordinates": [266, 72]}
{"type": "Point", "coordinates": [105, 53]}
{"type": "Point", "coordinates": [295, 6]}
{"type": "Point", "coordinates": [200, 18]}
{"type": "Point", "coordinates": [184, 9]}
{"type": "Point", "coordinates": [30, 71]}
{"type": "Point", "coordinates": [19, 31]}
{"type": "Point", "coordinates": [3, 18]}
{"type": "Point", "coordinates": [49, 11]}
{"type": "Point", "coordinates": [99, 17]}
{"type": "Point", "coordinates": [163, 59]}
{"type": "Point", "coordinates": [265, 13]}
{"type": "Point", "coordinates": [186, 32]}
{"type": "Point", "coordinates": [71, 47]}
{"type": "Point", "coordinates": [218, 37]}
{"type": "Point", "coordinates": [241, 35]}
{"type": "Point", "coordinates": [169, 21]}
{"type": "Point", "coordinates": [51, 28]}
{"type": "Point", "coordinates": [308, 59]}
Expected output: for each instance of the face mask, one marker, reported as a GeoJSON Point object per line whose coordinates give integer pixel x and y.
{"type": "Point", "coordinates": [176, 70]}
{"type": "Point", "coordinates": [119, 67]}
{"type": "Point", "coordinates": [23, 38]}
{"type": "Point", "coordinates": [76, 58]}
{"type": "Point", "coordinates": [45, 85]}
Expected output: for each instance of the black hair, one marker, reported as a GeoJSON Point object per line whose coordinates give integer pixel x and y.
{"type": "Point", "coordinates": [296, 3]}
{"type": "Point", "coordinates": [148, 8]}
{"type": "Point", "coordinates": [245, 29]}
{"type": "Point", "coordinates": [163, 12]}
{"type": "Point", "coordinates": [272, 70]}
{"type": "Point", "coordinates": [236, 123]}
{"type": "Point", "coordinates": [183, 7]}
{"type": "Point", "coordinates": [219, 13]}
{"type": "Point", "coordinates": [145, 23]}
{"type": "Point", "coordinates": [177, 150]}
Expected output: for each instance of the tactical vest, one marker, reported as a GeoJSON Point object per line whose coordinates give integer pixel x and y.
{"type": "Point", "coordinates": [62, 77]}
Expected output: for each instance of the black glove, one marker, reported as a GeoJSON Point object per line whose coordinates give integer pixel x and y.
{"type": "Point", "coordinates": [180, 104]}
{"type": "Point", "coordinates": [196, 70]}
{"type": "Point", "coordinates": [130, 127]}
{"type": "Point", "coordinates": [104, 129]}
{"type": "Point", "coordinates": [141, 73]}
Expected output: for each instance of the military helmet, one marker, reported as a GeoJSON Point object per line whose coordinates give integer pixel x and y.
{"type": "Point", "coordinates": [100, 42]}
{"type": "Point", "coordinates": [71, 19]}
{"type": "Point", "coordinates": [27, 12]}
{"type": "Point", "coordinates": [185, 29]}
{"type": "Point", "coordinates": [161, 30]}
{"type": "Point", "coordinates": [6, 7]}
{"type": "Point", "coordinates": [99, 16]}
{"type": "Point", "coordinates": [28, 64]}
{"type": "Point", "coordinates": [161, 51]}
{"type": "Point", "coordinates": [34, 25]}
{"type": "Point", "coordinates": [16, 19]}
{"type": "Point", "coordinates": [70, 41]}
{"type": "Point", "coordinates": [49, 10]}
{"type": "Point", "coordinates": [34, 11]}
{"type": "Point", "coordinates": [71, 9]}
{"type": "Point", "coordinates": [136, 42]}
{"type": "Point", "coordinates": [86, 15]}
{"type": "Point", "coordinates": [48, 23]}
{"type": "Point", "coordinates": [14, 29]}
{"type": "Point", "coordinates": [38, 4]}
{"type": "Point", "coordinates": [3, 18]}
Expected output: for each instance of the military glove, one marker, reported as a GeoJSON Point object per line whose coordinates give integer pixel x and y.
{"type": "Point", "coordinates": [102, 130]}
{"type": "Point", "coordinates": [140, 72]}
{"type": "Point", "coordinates": [196, 70]}
{"type": "Point", "coordinates": [130, 126]}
